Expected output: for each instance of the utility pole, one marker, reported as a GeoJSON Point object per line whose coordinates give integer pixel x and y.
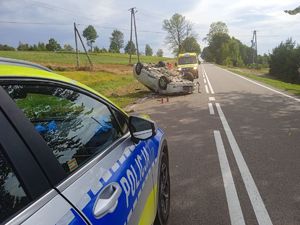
{"type": "Point", "coordinates": [132, 14]}
{"type": "Point", "coordinates": [254, 47]}
{"type": "Point", "coordinates": [76, 46]}
{"type": "Point", "coordinates": [86, 53]}
{"type": "Point", "coordinates": [130, 35]}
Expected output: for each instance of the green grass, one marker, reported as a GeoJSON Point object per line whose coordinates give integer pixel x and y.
{"type": "Point", "coordinates": [65, 58]}
{"type": "Point", "coordinates": [122, 89]}
{"type": "Point", "coordinates": [262, 76]}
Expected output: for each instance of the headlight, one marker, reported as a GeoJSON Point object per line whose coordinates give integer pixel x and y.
{"type": "Point", "coordinates": [195, 68]}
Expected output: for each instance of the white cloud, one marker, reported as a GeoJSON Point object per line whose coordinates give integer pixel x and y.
{"type": "Point", "coordinates": [242, 17]}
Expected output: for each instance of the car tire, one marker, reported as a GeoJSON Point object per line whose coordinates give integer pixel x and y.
{"type": "Point", "coordinates": [163, 82]}
{"type": "Point", "coordinates": [138, 68]}
{"type": "Point", "coordinates": [163, 205]}
{"type": "Point", "coordinates": [188, 76]}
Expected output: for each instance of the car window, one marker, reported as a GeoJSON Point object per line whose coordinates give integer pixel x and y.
{"type": "Point", "coordinates": [123, 121]}
{"type": "Point", "coordinates": [12, 195]}
{"type": "Point", "coordinates": [187, 60]}
{"type": "Point", "coordinates": [74, 125]}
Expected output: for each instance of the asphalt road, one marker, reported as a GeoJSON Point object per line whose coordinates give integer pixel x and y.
{"type": "Point", "coordinates": [234, 152]}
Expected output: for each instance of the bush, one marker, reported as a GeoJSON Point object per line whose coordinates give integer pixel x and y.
{"type": "Point", "coordinates": [6, 48]}
{"type": "Point", "coordinates": [284, 62]}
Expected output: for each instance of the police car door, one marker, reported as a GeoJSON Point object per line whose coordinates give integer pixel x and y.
{"type": "Point", "coordinates": [117, 183]}
{"type": "Point", "coordinates": [115, 186]}
{"type": "Point", "coordinates": [107, 177]}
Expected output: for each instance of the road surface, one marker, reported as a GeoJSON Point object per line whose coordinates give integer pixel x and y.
{"type": "Point", "coordinates": [234, 152]}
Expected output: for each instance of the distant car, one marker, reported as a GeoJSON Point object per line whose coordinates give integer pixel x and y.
{"type": "Point", "coordinates": [160, 80]}
{"type": "Point", "coordinates": [70, 156]}
{"type": "Point", "coordinates": [188, 63]}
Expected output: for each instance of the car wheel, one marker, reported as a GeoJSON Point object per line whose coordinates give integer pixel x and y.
{"type": "Point", "coordinates": [138, 68]}
{"type": "Point", "coordinates": [163, 82]}
{"type": "Point", "coordinates": [188, 76]}
{"type": "Point", "coordinates": [163, 207]}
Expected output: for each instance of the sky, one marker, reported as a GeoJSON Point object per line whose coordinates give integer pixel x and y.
{"type": "Point", "coordinates": [55, 18]}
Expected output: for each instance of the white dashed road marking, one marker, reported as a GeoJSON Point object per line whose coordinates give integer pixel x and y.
{"type": "Point", "coordinates": [211, 99]}
{"type": "Point", "coordinates": [206, 89]}
{"type": "Point", "coordinates": [211, 109]}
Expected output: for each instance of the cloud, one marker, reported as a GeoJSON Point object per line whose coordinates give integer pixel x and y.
{"type": "Point", "coordinates": [242, 17]}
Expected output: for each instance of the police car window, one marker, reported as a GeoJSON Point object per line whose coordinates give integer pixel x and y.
{"type": "Point", "coordinates": [12, 195]}
{"type": "Point", "coordinates": [123, 121]}
{"type": "Point", "coordinates": [75, 126]}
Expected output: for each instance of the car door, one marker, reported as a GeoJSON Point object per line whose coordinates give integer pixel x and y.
{"type": "Point", "coordinates": [107, 177]}
{"type": "Point", "coordinates": [26, 196]}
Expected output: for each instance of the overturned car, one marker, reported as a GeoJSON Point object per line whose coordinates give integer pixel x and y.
{"type": "Point", "coordinates": [158, 78]}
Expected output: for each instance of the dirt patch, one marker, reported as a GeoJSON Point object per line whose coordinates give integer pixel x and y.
{"type": "Point", "coordinates": [110, 68]}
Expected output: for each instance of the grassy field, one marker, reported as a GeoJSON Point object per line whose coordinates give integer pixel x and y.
{"type": "Point", "coordinates": [263, 76]}
{"type": "Point", "coordinates": [64, 58]}
{"type": "Point", "coordinates": [112, 76]}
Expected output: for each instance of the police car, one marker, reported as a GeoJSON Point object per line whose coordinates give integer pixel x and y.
{"type": "Point", "coordinates": [70, 156]}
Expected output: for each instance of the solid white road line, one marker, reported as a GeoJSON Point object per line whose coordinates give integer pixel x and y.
{"type": "Point", "coordinates": [211, 109]}
{"type": "Point", "coordinates": [204, 81]}
{"type": "Point", "coordinates": [261, 85]}
{"type": "Point", "coordinates": [206, 89]}
{"type": "Point", "coordinates": [260, 210]}
{"type": "Point", "coordinates": [234, 207]}
{"type": "Point", "coordinates": [211, 99]}
{"type": "Point", "coordinates": [209, 84]}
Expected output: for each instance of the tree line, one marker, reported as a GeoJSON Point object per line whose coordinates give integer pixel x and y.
{"type": "Point", "coordinates": [90, 34]}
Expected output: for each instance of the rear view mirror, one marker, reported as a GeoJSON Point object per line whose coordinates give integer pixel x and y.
{"type": "Point", "coordinates": [141, 128]}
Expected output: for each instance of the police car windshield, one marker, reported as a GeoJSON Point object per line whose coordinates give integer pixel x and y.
{"type": "Point", "coordinates": [187, 60]}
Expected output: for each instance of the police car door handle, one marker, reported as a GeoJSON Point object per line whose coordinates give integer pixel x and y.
{"type": "Point", "coordinates": [107, 200]}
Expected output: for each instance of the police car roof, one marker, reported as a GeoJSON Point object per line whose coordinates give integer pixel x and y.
{"type": "Point", "coordinates": [17, 62]}
{"type": "Point", "coordinates": [8, 69]}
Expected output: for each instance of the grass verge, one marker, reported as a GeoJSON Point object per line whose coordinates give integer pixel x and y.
{"type": "Point", "coordinates": [262, 76]}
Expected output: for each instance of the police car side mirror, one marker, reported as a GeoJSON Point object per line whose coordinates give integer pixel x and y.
{"type": "Point", "coordinates": [141, 128]}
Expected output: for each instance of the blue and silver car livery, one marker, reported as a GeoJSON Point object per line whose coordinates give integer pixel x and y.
{"type": "Point", "coordinates": [70, 156]}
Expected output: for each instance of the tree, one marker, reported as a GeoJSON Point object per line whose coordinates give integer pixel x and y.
{"type": "Point", "coordinates": [41, 46]}
{"type": "Point", "coordinates": [6, 48]}
{"type": "Point", "coordinates": [97, 49]}
{"type": "Point", "coordinates": [160, 53]}
{"type": "Point", "coordinates": [293, 12]}
{"type": "Point", "coordinates": [53, 45]}
{"type": "Point", "coordinates": [68, 48]}
{"type": "Point", "coordinates": [190, 44]}
{"type": "Point", "coordinates": [23, 47]}
{"type": "Point", "coordinates": [148, 50]}
{"type": "Point", "coordinates": [178, 29]}
{"type": "Point", "coordinates": [116, 41]}
{"type": "Point", "coordinates": [216, 28]}
{"type": "Point", "coordinates": [130, 48]}
{"type": "Point", "coordinates": [284, 61]}
{"type": "Point", "coordinates": [90, 34]}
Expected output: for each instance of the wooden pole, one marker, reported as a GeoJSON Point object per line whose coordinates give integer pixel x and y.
{"type": "Point", "coordinates": [91, 64]}
{"type": "Point", "coordinates": [76, 46]}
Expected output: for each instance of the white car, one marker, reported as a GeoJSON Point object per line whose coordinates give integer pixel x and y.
{"type": "Point", "coordinates": [161, 80]}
